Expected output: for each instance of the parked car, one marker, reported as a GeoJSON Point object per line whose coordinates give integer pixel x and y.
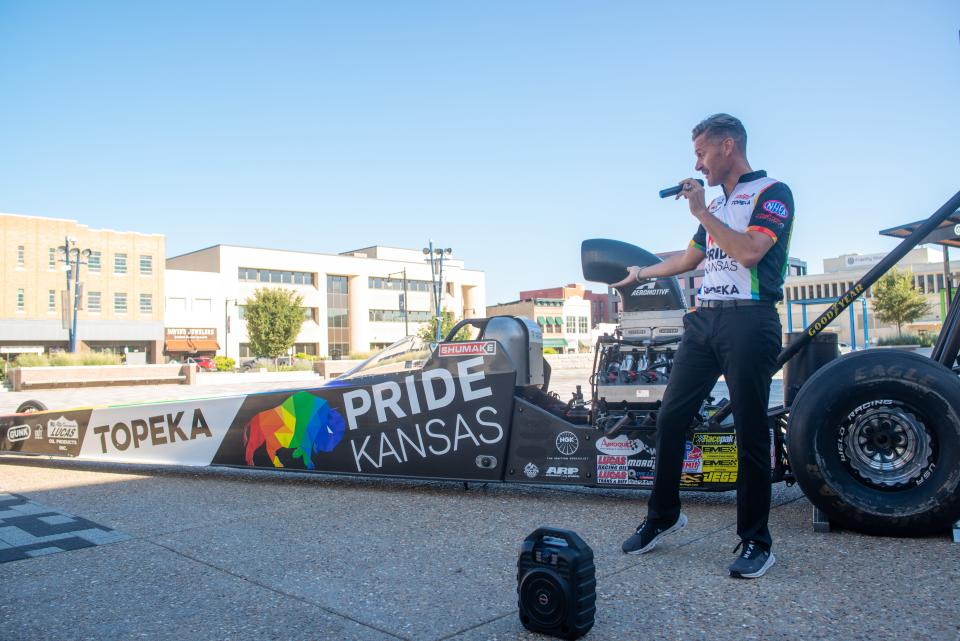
{"type": "Point", "coordinates": [203, 362]}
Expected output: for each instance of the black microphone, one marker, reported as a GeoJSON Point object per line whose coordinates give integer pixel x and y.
{"type": "Point", "coordinates": [673, 191]}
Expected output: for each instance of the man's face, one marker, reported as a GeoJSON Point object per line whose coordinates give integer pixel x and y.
{"type": "Point", "coordinates": [713, 160]}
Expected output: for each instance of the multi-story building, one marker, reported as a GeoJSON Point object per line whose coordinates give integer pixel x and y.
{"type": "Point", "coordinates": [925, 265]}
{"type": "Point", "coordinates": [565, 322]}
{"type": "Point", "coordinates": [353, 302]}
{"type": "Point", "coordinates": [603, 306]}
{"type": "Point", "coordinates": [122, 288]}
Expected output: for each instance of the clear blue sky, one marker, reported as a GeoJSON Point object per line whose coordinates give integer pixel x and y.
{"type": "Point", "coordinates": [509, 131]}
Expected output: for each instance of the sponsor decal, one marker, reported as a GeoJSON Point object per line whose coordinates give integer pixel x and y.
{"type": "Point", "coordinates": [427, 393]}
{"type": "Point", "coordinates": [719, 477]}
{"type": "Point", "coordinates": [38, 432]}
{"type": "Point", "coordinates": [770, 218]}
{"type": "Point", "coordinates": [62, 429]}
{"type": "Point", "coordinates": [744, 196]}
{"type": "Point", "coordinates": [562, 472]}
{"type": "Point", "coordinates": [719, 261]}
{"type": "Point", "coordinates": [622, 445]}
{"type": "Point", "coordinates": [611, 460]}
{"type": "Point", "coordinates": [567, 443]}
{"type": "Point", "coordinates": [715, 205]}
{"type": "Point", "coordinates": [714, 439]}
{"type": "Point", "coordinates": [531, 470]}
{"type": "Point", "coordinates": [776, 208]}
{"type": "Point", "coordinates": [481, 348]}
{"type": "Point", "coordinates": [691, 480]}
{"type": "Point", "coordinates": [18, 433]}
{"type": "Point", "coordinates": [649, 289]}
{"type": "Point", "coordinates": [741, 201]}
{"type": "Point", "coordinates": [182, 433]}
{"type": "Point", "coordinates": [303, 422]}
{"type": "Point", "coordinates": [722, 290]}
{"type": "Point", "coordinates": [692, 461]}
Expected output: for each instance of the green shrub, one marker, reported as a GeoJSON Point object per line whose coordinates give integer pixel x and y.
{"type": "Point", "coordinates": [305, 357]}
{"type": "Point", "coordinates": [905, 339]}
{"type": "Point", "coordinates": [224, 364]}
{"type": "Point", "coordinates": [549, 350]}
{"type": "Point", "coordinates": [67, 359]}
{"type": "Point", "coordinates": [360, 356]}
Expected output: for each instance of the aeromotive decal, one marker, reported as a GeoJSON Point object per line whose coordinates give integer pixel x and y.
{"type": "Point", "coordinates": [176, 433]}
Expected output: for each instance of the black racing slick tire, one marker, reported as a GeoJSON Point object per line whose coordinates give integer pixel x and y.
{"type": "Point", "coordinates": [31, 406]}
{"type": "Point", "coordinates": [874, 442]}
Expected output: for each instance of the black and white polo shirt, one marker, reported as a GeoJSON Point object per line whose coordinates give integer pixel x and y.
{"type": "Point", "coordinates": [758, 204]}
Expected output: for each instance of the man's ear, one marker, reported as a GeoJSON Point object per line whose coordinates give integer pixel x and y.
{"type": "Point", "coordinates": [728, 145]}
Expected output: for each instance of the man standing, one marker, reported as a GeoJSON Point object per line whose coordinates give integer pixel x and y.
{"type": "Point", "coordinates": [735, 331]}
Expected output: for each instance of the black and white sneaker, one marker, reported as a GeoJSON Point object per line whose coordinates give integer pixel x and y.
{"type": "Point", "coordinates": [647, 535]}
{"type": "Point", "coordinates": [753, 561]}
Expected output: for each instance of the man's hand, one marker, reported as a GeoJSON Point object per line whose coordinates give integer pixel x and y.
{"type": "Point", "coordinates": [632, 277]}
{"type": "Point", "coordinates": [693, 192]}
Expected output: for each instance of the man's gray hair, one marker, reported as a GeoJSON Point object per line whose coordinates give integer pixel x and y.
{"type": "Point", "coordinates": [723, 126]}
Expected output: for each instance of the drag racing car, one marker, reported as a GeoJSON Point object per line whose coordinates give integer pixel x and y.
{"type": "Point", "coordinates": [873, 438]}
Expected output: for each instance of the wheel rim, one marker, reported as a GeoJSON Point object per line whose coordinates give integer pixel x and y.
{"type": "Point", "coordinates": [888, 446]}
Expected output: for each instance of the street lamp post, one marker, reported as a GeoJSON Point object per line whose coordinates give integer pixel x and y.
{"type": "Point", "coordinates": [74, 269]}
{"type": "Point", "coordinates": [436, 256]}
{"type": "Point", "coordinates": [406, 301]}
{"type": "Point", "coordinates": [226, 325]}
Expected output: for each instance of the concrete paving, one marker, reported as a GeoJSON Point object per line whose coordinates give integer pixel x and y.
{"type": "Point", "coordinates": [239, 554]}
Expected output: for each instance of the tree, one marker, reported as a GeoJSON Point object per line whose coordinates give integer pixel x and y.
{"type": "Point", "coordinates": [274, 318]}
{"type": "Point", "coordinates": [428, 331]}
{"type": "Point", "coordinates": [896, 301]}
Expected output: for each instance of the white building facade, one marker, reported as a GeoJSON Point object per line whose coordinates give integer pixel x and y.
{"type": "Point", "coordinates": [923, 264]}
{"type": "Point", "coordinates": [353, 302]}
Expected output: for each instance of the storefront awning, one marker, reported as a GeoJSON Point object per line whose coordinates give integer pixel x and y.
{"type": "Point", "coordinates": [554, 342]}
{"type": "Point", "coordinates": [540, 320]}
{"type": "Point", "coordinates": [178, 346]}
{"type": "Point", "coordinates": [549, 320]}
{"type": "Point", "coordinates": [558, 320]}
{"type": "Point", "coordinates": [205, 345]}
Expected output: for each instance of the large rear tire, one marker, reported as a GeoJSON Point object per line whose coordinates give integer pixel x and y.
{"type": "Point", "coordinates": [31, 406]}
{"type": "Point", "coordinates": [874, 442]}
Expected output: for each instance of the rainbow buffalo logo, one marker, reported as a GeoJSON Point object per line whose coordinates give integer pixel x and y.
{"type": "Point", "coordinates": [304, 423]}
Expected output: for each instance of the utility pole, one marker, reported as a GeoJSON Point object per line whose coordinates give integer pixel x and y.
{"type": "Point", "coordinates": [406, 301]}
{"type": "Point", "coordinates": [73, 270]}
{"type": "Point", "coordinates": [435, 256]}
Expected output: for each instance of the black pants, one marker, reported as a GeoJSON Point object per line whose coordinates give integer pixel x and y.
{"type": "Point", "coordinates": [742, 343]}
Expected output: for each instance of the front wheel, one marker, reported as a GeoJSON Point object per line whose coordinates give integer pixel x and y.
{"type": "Point", "coordinates": [28, 407]}
{"type": "Point", "coordinates": [874, 442]}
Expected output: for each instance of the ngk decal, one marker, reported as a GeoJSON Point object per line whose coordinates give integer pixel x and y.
{"type": "Point", "coordinates": [567, 443]}
{"type": "Point", "coordinates": [184, 433]}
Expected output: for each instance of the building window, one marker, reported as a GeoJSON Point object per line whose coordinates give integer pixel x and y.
{"type": "Point", "coordinates": [146, 303]}
{"type": "Point", "coordinates": [395, 283]}
{"type": "Point", "coordinates": [93, 263]}
{"type": "Point", "coordinates": [146, 265]}
{"type": "Point", "coordinates": [396, 316]}
{"type": "Point", "coordinates": [202, 305]}
{"type": "Point", "coordinates": [93, 301]}
{"type": "Point", "coordinates": [20, 301]}
{"type": "Point", "coordinates": [241, 311]}
{"type": "Point", "coordinates": [309, 315]}
{"type": "Point", "coordinates": [52, 300]}
{"type": "Point", "coordinates": [120, 302]}
{"type": "Point", "coordinates": [21, 256]}
{"type": "Point", "coordinates": [338, 316]}
{"type": "Point", "coordinates": [584, 329]}
{"type": "Point", "coordinates": [119, 263]}
{"type": "Point", "coordinates": [310, 349]}
{"type": "Point", "coordinates": [253, 275]}
{"type": "Point", "coordinates": [176, 304]}
{"type": "Point", "coordinates": [245, 350]}
{"type": "Point", "coordinates": [572, 324]}
{"type": "Point", "coordinates": [52, 259]}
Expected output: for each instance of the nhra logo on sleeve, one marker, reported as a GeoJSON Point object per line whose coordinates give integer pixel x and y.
{"type": "Point", "coordinates": [776, 207]}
